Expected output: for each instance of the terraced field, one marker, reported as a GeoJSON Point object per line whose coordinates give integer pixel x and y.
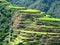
{"type": "Point", "coordinates": [35, 28]}
{"type": "Point", "coordinates": [32, 27]}
{"type": "Point", "coordinates": [32, 37]}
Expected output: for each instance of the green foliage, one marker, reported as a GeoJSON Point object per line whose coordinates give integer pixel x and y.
{"type": "Point", "coordinates": [5, 21]}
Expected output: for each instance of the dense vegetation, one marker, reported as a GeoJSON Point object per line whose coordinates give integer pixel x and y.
{"type": "Point", "coordinates": [23, 26]}
{"type": "Point", "coordinates": [51, 7]}
{"type": "Point", "coordinates": [5, 21]}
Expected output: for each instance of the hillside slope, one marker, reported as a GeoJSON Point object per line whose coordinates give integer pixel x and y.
{"type": "Point", "coordinates": [33, 27]}
{"type": "Point", "coordinates": [51, 7]}
{"type": "Point", "coordinates": [23, 26]}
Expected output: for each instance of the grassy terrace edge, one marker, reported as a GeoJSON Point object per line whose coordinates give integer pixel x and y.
{"type": "Point", "coordinates": [49, 19]}
{"type": "Point", "coordinates": [36, 32]}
